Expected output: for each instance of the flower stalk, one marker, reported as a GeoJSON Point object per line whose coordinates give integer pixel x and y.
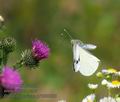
{"type": "Point", "coordinates": [109, 92]}
{"type": "Point", "coordinates": [18, 65]}
{"type": "Point", "coordinates": [5, 57]}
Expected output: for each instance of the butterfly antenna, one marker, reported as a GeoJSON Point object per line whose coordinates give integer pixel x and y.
{"type": "Point", "coordinates": [68, 34]}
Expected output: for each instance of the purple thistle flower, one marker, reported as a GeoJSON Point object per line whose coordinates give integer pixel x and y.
{"type": "Point", "coordinates": [10, 79]}
{"type": "Point", "coordinates": [40, 50]}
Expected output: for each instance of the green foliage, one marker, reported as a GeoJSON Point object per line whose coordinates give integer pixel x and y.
{"type": "Point", "coordinates": [92, 21]}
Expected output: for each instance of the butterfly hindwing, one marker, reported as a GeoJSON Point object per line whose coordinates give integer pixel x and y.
{"type": "Point", "coordinates": [88, 63]}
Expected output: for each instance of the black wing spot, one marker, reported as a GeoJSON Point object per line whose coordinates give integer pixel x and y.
{"type": "Point", "coordinates": [77, 61]}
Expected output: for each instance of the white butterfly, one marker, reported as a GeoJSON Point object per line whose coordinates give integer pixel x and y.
{"type": "Point", "coordinates": [84, 61]}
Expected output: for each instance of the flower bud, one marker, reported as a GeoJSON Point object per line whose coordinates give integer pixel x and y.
{"type": "Point", "coordinates": [28, 59]}
{"type": "Point", "coordinates": [93, 86]}
{"type": "Point", "coordinates": [99, 74]}
{"type": "Point", "coordinates": [8, 44]}
{"type": "Point", "coordinates": [104, 82]}
{"type": "Point", "coordinates": [108, 77]}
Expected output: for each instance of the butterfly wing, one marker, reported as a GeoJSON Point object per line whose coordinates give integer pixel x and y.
{"type": "Point", "coordinates": [89, 46]}
{"type": "Point", "coordinates": [84, 62]}
{"type": "Point", "coordinates": [76, 57]}
{"type": "Point", "coordinates": [88, 62]}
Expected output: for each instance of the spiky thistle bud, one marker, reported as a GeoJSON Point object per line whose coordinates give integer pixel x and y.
{"type": "Point", "coordinates": [28, 59]}
{"type": "Point", "coordinates": [8, 44]}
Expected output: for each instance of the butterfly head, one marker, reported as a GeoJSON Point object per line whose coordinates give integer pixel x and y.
{"type": "Point", "coordinates": [76, 41]}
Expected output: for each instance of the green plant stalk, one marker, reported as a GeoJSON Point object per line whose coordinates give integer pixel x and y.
{"type": "Point", "coordinates": [109, 92]}
{"type": "Point", "coordinates": [5, 57]}
{"type": "Point", "coordinates": [95, 100]}
{"type": "Point", "coordinates": [18, 65]}
{"type": "Point", "coordinates": [1, 92]}
{"type": "Point", "coordinates": [1, 60]}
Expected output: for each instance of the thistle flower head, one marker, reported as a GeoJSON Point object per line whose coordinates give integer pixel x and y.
{"type": "Point", "coordinates": [8, 44]}
{"type": "Point", "coordinates": [28, 59]}
{"type": "Point", "coordinates": [11, 79]}
{"type": "Point", "coordinates": [0, 79]}
{"type": "Point", "coordinates": [40, 50]}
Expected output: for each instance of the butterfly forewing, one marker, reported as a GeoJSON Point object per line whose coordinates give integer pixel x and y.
{"type": "Point", "coordinates": [89, 46]}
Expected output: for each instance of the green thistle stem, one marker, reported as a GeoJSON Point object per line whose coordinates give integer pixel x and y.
{"type": "Point", "coordinates": [0, 60]}
{"type": "Point", "coordinates": [18, 65]}
{"type": "Point", "coordinates": [1, 92]}
{"type": "Point", "coordinates": [5, 57]}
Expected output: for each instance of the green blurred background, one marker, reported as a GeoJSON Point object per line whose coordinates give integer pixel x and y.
{"type": "Point", "coordinates": [92, 21]}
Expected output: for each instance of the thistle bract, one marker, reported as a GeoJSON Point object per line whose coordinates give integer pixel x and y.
{"type": "Point", "coordinates": [8, 44]}
{"type": "Point", "coordinates": [28, 59]}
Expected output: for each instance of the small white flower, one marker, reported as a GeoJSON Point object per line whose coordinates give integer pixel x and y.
{"type": "Point", "coordinates": [62, 101]}
{"type": "Point", "coordinates": [93, 86]}
{"type": "Point", "coordinates": [1, 19]}
{"type": "Point", "coordinates": [89, 98]}
{"type": "Point", "coordinates": [104, 71]}
{"type": "Point", "coordinates": [117, 99]}
{"type": "Point", "coordinates": [107, 99]}
{"type": "Point", "coordinates": [117, 73]}
{"type": "Point", "coordinates": [104, 82]}
{"type": "Point", "coordinates": [113, 84]}
{"type": "Point", "coordinates": [109, 71]}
